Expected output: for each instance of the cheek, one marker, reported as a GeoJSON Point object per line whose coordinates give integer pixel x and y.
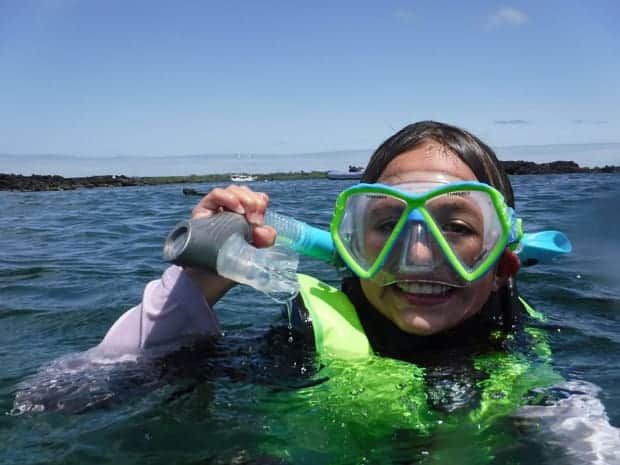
{"type": "Point", "coordinates": [373, 244]}
{"type": "Point", "coordinates": [372, 292]}
{"type": "Point", "coordinates": [476, 295]}
{"type": "Point", "coordinates": [379, 297]}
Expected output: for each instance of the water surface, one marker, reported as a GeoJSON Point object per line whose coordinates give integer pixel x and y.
{"type": "Point", "coordinates": [73, 262]}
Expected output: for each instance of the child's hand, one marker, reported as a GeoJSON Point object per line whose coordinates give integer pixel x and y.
{"type": "Point", "coordinates": [242, 200]}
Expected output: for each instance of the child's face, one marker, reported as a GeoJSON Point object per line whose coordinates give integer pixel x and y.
{"type": "Point", "coordinates": [426, 314]}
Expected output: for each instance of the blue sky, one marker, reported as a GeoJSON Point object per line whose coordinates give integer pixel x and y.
{"type": "Point", "coordinates": [109, 78]}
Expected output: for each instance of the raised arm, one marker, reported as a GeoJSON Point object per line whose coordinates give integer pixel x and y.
{"type": "Point", "coordinates": [178, 306]}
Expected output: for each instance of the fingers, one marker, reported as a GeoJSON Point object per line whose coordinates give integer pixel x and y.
{"type": "Point", "coordinates": [263, 236]}
{"type": "Point", "coordinates": [239, 199]}
{"type": "Point", "coordinates": [216, 201]}
{"type": "Point", "coordinates": [242, 200]}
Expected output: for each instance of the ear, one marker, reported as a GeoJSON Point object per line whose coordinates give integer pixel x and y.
{"type": "Point", "coordinates": [508, 265]}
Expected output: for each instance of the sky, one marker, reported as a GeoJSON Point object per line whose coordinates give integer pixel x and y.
{"type": "Point", "coordinates": [153, 78]}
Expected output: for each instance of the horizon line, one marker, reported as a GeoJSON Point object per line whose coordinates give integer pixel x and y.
{"type": "Point", "coordinates": [260, 154]}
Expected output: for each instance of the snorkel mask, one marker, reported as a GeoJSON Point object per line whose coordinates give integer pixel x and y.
{"type": "Point", "coordinates": [434, 229]}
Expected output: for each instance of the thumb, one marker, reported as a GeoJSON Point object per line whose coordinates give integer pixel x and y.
{"type": "Point", "coordinates": [263, 236]}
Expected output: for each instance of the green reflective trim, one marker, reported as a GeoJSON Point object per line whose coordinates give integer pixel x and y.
{"type": "Point", "coordinates": [511, 377]}
{"type": "Point", "coordinates": [531, 311]}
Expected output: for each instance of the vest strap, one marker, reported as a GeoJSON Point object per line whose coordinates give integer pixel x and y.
{"type": "Point", "coordinates": [337, 328]}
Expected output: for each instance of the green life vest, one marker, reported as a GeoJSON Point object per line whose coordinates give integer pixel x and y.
{"type": "Point", "coordinates": [370, 409]}
{"type": "Point", "coordinates": [339, 336]}
{"type": "Point", "coordinates": [337, 328]}
{"type": "Point", "coordinates": [338, 331]}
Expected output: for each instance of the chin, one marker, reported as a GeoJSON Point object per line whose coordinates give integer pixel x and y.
{"type": "Point", "coordinates": [423, 314]}
{"type": "Point", "coordinates": [419, 326]}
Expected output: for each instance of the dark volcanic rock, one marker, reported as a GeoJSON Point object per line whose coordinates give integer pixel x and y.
{"type": "Point", "coordinates": [555, 167]}
{"type": "Point", "coordinates": [17, 182]}
{"type": "Point", "coordinates": [529, 167]}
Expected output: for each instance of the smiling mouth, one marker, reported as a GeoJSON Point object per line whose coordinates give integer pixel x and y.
{"type": "Point", "coordinates": [422, 288]}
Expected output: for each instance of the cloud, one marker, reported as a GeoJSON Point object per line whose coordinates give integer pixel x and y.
{"type": "Point", "coordinates": [508, 16]}
{"type": "Point", "coordinates": [583, 121]}
{"type": "Point", "coordinates": [511, 121]}
{"type": "Point", "coordinates": [405, 15]}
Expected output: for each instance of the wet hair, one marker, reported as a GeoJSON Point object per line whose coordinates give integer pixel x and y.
{"type": "Point", "coordinates": [472, 151]}
{"type": "Point", "coordinates": [502, 310]}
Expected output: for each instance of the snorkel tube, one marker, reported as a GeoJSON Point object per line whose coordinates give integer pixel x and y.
{"type": "Point", "coordinates": [304, 239]}
{"type": "Point", "coordinates": [220, 243]}
{"type": "Point", "coordinates": [310, 241]}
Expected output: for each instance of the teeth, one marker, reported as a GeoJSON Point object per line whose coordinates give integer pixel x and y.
{"type": "Point", "coordinates": [423, 288]}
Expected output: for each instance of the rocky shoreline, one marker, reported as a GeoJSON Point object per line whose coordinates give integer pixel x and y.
{"type": "Point", "coordinates": [17, 182]}
{"type": "Point", "coordinates": [555, 167]}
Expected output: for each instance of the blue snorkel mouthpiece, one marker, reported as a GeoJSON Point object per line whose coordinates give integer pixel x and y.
{"type": "Point", "coordinates": [543, 247]}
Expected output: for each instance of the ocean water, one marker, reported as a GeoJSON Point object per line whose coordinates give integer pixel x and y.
{"type": "Point", "coordinates": [73, 262]}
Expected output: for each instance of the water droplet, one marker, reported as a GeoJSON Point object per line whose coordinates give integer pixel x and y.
{"type": "Point", "coordinates": [289, 312]}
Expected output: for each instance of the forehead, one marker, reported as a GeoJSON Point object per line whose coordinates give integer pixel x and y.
{"type": "Point", "coordinates": [430, 157]}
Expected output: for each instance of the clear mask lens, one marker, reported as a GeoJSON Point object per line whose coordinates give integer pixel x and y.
{"type": "Point", "coordinates": [417, 256]}
{"type": "Point", "coordinates": [424, 243]}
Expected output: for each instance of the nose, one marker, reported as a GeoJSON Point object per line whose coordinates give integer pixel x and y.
{"type": "Point", "coordinates": [419, 250]}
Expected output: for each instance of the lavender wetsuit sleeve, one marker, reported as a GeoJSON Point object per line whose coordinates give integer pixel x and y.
{"type": "Point", "coordinates": [173, 309]}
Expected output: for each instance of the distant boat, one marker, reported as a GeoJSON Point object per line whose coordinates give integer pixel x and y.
{"type": "Point", "coordinates": [243, 178]}
{"type": "Point", "coordinates": [355, 172]}
{"type": "Point", "coordinates": [190, 191]}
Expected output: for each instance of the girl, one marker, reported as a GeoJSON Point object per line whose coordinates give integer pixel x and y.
{"type": "Point", "coordinates": [401, 308]}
